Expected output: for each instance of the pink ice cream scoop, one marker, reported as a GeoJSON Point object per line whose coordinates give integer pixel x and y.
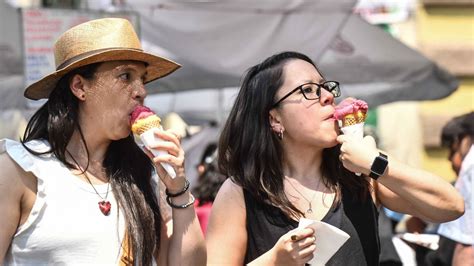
{"type": "Point", "coordinates": [351, 112]}
{"type": "Point", "coordinates": [140, 112]}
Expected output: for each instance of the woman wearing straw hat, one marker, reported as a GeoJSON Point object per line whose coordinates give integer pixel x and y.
{"type": "Point", "coordinates": [77, 189]}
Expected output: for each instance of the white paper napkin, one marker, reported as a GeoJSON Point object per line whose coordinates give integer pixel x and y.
{"type": "Point", "coordinates": [328, 240]}
{"type": "Point", "coordinates": [356, 130]}
{"type": "Point", "coordinates": [430, 241]}
{"type": "Point", "coordinates": [149, 138]}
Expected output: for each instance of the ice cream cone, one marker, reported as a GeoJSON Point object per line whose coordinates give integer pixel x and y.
{"type": "Point", "coordinates": [144, 124]}
{"type": "Point", "coordinates": [355, 118]}
{"type": "Point", "coordinates": [351, 116]}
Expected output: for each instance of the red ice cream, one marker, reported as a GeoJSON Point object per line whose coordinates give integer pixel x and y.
{"type": "Point", "coordinates": [142, 119]}
{"type": "Point", "coordinates": [140, 112]}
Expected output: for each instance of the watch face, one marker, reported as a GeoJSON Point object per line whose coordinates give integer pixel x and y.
{"type": "Point", "coordinates": [379, 165]}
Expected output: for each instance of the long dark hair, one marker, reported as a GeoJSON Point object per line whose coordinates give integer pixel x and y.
{"type": "Point", "coordinates": [127, 166]}
{"type": "Point", "coordinates": [251, 154]}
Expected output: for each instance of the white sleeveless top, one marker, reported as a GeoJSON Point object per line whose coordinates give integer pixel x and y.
{"type": "Point", "coordinates": [65, 225]}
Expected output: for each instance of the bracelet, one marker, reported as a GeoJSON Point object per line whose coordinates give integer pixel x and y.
{"type": "Point", "coordinates": [183, 206]}
{"type": "Point", "coordinates": [185, 188]}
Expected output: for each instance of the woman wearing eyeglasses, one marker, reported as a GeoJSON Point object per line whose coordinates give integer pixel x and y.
{"type": "Point", "coordinates": [285, 158]}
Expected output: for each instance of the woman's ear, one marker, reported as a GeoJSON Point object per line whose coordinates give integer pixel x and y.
{"type": "Point", "coordinates": [274, 119]}
{"type": "Point", "coordinates": [77, 86]}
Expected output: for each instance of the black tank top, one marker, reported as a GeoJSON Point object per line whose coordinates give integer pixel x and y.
{"type": "Point", "coordinates": [266, 224]}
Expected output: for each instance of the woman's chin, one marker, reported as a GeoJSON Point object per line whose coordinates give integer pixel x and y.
{"type": "Point", "coordinates": [120, 134]}
{"type": "Point", "coordinates": [332, 144]}
{"type": "Point", "coordinates": [331, 140]}
{"type": "Point", "coordinates": [326, 142]}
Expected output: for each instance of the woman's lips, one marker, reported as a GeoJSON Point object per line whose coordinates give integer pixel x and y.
{"type": "Point", "coordinates": [330, 117]}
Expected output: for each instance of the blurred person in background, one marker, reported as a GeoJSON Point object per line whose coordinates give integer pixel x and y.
{"type": "Point", "coordinates": [77, 189]}
{"type": "Point", "coordinates": [458, 135]}
{"type": "Point", "coordinates": [285, 158]}
{"type": "Point", "coordinates": [208, 183]}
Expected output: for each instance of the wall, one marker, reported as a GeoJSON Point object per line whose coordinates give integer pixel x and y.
{"type": "Point", "coordinates": [446, 34]}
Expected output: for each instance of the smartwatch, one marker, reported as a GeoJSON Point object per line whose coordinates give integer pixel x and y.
{"type": "Point", "coordinates": [378, 166]}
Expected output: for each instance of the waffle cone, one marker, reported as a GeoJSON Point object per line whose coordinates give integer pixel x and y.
{"type": "Point", "coordinates": [142, 125]}
{"type": "Point", "coordinates": [355, 118]}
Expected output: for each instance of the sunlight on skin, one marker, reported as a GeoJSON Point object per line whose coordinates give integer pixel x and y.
{"type": "Point", "coordinates": [112, 95]}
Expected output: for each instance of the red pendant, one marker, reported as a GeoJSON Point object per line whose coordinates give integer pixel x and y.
{"type": "Point", "coordinates": [104, 207]}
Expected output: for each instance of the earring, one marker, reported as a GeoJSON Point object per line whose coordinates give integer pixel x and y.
{"type": "Point", "coordinates": [280, 134]}
{"type": "Point", "coordinates": [83, 96]}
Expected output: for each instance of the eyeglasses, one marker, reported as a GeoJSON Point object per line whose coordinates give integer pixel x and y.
{"type": "Point", "coordinates": [312, 91]}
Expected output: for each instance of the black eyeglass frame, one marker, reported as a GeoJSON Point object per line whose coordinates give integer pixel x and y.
{"type": "Point", "coordinates": [336, 91]}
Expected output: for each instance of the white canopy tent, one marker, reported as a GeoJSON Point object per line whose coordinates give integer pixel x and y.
{"type": "Point", "coordinates": [217, 41]}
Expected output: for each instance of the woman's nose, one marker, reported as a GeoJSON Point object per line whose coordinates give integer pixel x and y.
{"type": "Point", "coordinates": [326, 97]}
{"type": "Point", "coordinates": [139, 91]}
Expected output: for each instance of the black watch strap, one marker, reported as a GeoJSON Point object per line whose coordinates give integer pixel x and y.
{"type": "Point", "coordinates": [378, 166]}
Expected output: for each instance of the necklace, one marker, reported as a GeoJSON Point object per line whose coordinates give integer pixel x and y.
{"type": "Point", "coordinates": [104, 204]}
{"type": "Point", "coordinates": [310, 208]}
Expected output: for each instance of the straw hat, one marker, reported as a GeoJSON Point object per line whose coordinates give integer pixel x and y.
{"type": "Point", "coordinates": [100, 40]}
